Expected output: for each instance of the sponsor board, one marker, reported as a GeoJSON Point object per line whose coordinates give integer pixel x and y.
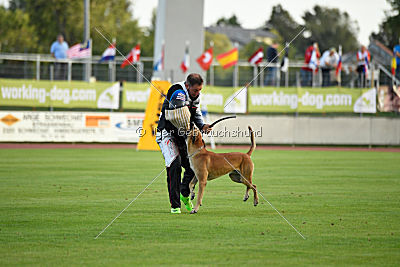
{"type": "Point", "coordinates": [135, 95]}
{"type": "Point", "coordinates": [28, 126]}
{"type": "Point", "coordinates": [62, 94]}
{"type": "Point", "coordinates": [214, 99]}
{"type": "Point", "coordinates": [290, 100]}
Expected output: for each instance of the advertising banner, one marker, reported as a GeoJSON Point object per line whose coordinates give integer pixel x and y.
{"type": "Point", "coordinates": [62, 94]}
{"type": "Point", "coordinates": [135, 95]}
{"type": "Point", "coordinates": [39, 126]}
{"type": "Point", "coordinates": [102, 95]}
{"type": "Point", "coordinates": [290, 100]}
{"type": "Point", "coordinates": [224, 99]}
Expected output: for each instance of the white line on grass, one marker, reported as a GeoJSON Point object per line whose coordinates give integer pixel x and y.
{"type": "Point", "coordinates": [129, 204]}
{"type": "Point", "coordinates": [266, 199]}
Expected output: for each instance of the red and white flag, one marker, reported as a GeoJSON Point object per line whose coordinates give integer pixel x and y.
{"type": "Point", "coordinates": [80, 51]}
{"type": "Point", "coordinates": [206, 59]}
{"type": "Point", "coordinates": [185, 64]}
{"type": "Point", "coordinates": [132, 57]}
{"type": "Point", "coordinates": [257, 57]}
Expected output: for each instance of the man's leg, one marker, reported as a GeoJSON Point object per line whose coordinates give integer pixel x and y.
{"type": "Point", "coordinates": [172, 158]}
{"type": "Point", "coordinates": [174, 173]}
{"type": "Point", "coordinates": [187, 178]}
{"type": "Point", "coordinates": [325, 77]}
{"type": "Point", "coordinates": [188, 175]}
{"type": "Point", "coordinates": [56, 71]}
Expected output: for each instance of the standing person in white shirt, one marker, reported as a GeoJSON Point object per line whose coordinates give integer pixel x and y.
{"type": "Point", "coordinates": [328, 62]}
{"type": "Point", "coordinates": [363, 59]}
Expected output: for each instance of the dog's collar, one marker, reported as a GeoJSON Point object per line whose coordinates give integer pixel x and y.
{"type": "Point", "coordinates": [196, 152]}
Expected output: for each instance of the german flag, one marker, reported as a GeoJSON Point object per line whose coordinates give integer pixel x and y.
{"type": "Point", "coordinates": [228, 59]}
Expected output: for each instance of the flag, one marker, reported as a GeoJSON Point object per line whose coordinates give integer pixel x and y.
{"type": "Point", "coordinates": [394, 66]}
{"type": "Point", "coordinates": [80, 51]}
{"type": "Point", "coordinates": [313, 61]}
{"type": "Point", "coordinates": [285, 60]}
{"type": "Point", "coordinates": [257, 57]}
{"type": "Point", "coordinates": [229, 58]}
{"type": "Point", "coordinates": [109, 53]}
{"type": "Point", "coordinates": [339, 65]}
{"type": "Point", "coordinates": [133, 56]}
{"type": "Point", "coordinates": [159, 66]}
{"type": "Point", "coordinates": [366, 65]}
{"type": "Point", "coordinates": [206, 59]}
{"type": "Point", "coordinates": [186, 59]}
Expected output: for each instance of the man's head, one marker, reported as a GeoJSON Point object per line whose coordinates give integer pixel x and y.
{"type": "Point", "coordinates": [60, 38]}
{"type": "Point", "coordinates": [332, 51]}
{"type": "Point", "coordinates": [363, 48]}
{"type": "Point", "coordinates": [194, 84]}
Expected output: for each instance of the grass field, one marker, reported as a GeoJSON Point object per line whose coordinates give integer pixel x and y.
{"type": "Point", "coordinates": [54, 202]}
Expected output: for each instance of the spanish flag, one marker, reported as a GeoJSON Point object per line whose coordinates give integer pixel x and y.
{"type": "Point", "coordinates": [394, 66]}
{"type": "Point", "coordinates": [229, 58]}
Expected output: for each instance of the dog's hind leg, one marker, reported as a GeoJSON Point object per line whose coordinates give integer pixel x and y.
{"type": "Point", "coordinates": [235, 176]}
{"type": "Point", "coordinates": [192, 185]}
{"type": "Point", "coordinates": [246, 195]}
{"type": "Point", "coordinates": [255, 195]}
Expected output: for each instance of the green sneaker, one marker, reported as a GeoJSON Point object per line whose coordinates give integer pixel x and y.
{"type": "Point", "coordinates": [187, 202]}
{"type": "Point", "coordinates": [176, 211]}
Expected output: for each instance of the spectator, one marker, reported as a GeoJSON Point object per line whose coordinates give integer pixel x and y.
{"type": "Point", "coordinates": [272, 56]}
{"type": "Point", "coordinates": [311, 63]}
{"type": "Point", "coordinates": [59, 51]}
{"type": "Point", "coordinates": [329, 61]}
{"type": "Point", "coordinates": [363, 58]}
{"type": "Point", "coordinates": [396, 53]}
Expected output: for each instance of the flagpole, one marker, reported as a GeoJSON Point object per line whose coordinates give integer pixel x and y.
{"type": "Point", "coordinates": [86, 38]}
{"type": "Point", "coordinates": [212, 67]}
{"type": "Point", "coordinates": [340, 70]}
{"type": "Point", "coordinates": [236, 70]}
{"type": "Point", "coordinates": [113, 69]}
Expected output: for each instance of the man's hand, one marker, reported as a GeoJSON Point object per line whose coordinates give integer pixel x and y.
{"type": "Point", "coordinates": [206, 128]}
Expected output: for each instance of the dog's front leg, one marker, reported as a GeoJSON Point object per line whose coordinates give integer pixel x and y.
{"type": "Point", "coordinates": [202, 184]}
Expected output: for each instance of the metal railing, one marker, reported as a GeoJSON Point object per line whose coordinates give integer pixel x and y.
{"type": "Point", "coordinates": [44, 66]}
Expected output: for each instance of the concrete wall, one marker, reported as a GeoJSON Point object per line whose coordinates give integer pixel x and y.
{"type": "Point", "coordinates": [308, 130]}
{"type": "Point", "coordinates": [178, 21]}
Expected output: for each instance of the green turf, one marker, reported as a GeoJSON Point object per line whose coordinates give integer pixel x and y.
{"type": "Point", "coordinates": [54, 202]}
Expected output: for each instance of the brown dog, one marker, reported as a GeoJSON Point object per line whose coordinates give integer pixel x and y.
{"type": "Point", "coordinates": [208, 165]}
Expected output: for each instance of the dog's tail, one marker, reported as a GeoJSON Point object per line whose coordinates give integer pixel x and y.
{"type": "Point", "coordinates": [253, 143]}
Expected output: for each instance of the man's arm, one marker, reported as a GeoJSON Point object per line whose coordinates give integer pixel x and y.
{"type": "Point", "coordinates": [397, 53]}
{"type": "Point", "coordinates": [198, 120]}
{"type": "Point", "coordinates": [52, 50]}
